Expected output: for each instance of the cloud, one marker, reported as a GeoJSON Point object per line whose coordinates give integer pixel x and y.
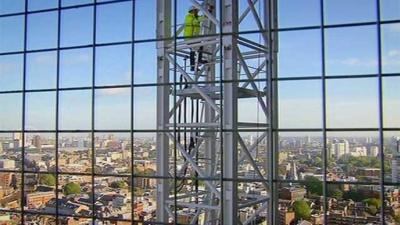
{"type": "Point", "coordinates": [358, 62]}
{"type": "Point", "coordinates": [391, 58]}
{"type": "Point", "coordinates": [76, 59]}
{"type": "Point", "coordinates": [114, 91]}
{"type": "Point", "coordinates": [394, 27]}
{"type": "Point", "coordinates": [394, 53]}
{"type": "Point", "coordinates": [7, 67]}
{"type": "Point", "coordinates": [45, 59]}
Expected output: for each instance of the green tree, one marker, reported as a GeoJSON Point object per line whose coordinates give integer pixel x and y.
{"type": "Point", "coordinates": [397, 218]}
{"type": "Point", "coordinates": [138, 191]}
{"type": "Point", "coordinates": [47, 179]}
{"type": "Point", "coordinates": [149, 172]}
{"type": "Point", "coordinates": [335, 193]}
{"type": "Point", "coordinates": [119, 184]}
{"type": "Point", "coordinates": [301, 209]}
{"type": "Point", "coordinates": [72, 189]}
{"type": "Point", "coordinates": [313, 185]}
{"type": "Point", "coordinates": [373, 202]}
{"type": "Point", "coordinates": [318, 162]}
{"type": "Point", "coordinates": [372, 210]}
{"type": "Point", "coordinates": [354, 195]}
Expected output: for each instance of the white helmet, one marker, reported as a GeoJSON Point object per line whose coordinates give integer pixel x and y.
{"type": "Point", "coordinates": [192, 8]}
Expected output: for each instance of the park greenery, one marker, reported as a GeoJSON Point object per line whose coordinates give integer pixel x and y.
{"type": "Point", "coordinates": [47, 179]}
{"type": "Point", "coordinates": [72, 189]}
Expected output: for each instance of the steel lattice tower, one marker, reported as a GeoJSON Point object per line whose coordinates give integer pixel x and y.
{"type": "Point", "coordinates": [208, 148]}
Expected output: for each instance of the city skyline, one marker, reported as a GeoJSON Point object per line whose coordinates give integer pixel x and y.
{"type": "Point", "coordinates": [356, 96]}
{"type": "Point", "coordinates": [106, 120]}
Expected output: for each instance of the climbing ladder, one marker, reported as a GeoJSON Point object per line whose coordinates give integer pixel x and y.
{"type": "Point", "coordinates": [199, 115]}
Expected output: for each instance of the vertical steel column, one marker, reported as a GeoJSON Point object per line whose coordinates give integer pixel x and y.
{"type": "Point", "coordinates": [210, 140]}
{"type": "Point", "coordinates": [271, 24]}
{"type": "Point", "coordinates": [163, 32]}
{"type": "Point", "coordinates": [229, 22]}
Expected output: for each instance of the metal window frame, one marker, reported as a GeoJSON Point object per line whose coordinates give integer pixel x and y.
{"type": "Point", "coordinates": [274, 130]}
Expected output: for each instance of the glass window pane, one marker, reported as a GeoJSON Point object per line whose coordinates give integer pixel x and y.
{"type": "Point", "coordinates": [250, 110]}
{"type": "Point", "coordinates": [183, 10]}
{"type": "Point", "coordinates": [39, 24]}
{"type": "Point", "coordinates": [254, 142]}
{"type": "Point", "coordinates": [352, 103]}
{"type": "Point", "coordinates": [392, 191]}
{"type": "Point", "coordinates": [390, 9]}
{"type": "Point", "coordinates": [358, 194]}
{"type": "Point", "coordinates": [113, 65]}
{"type": "Point", "coordinates": [145, 193]}
{"type": "Point", "coordinates": [74, 152]}
{"type": "Point", "coordinates": [300, 104]}
{"type": "Point", "coordinates": [41, 4]}
{"type": "Point", "coordinates": [391, 102]}
{"type": "Point", "coordinates": [293, 46]}
{"type": "Point", "coordinates": [112, 153]}
{"type": "Point", "coordinates": [12, 34]}
{"type": "Point", "coordinates": [37, 198]}
{"type": "Point", "coordinates": [112, 106]}
{"type": "Point", "coordinates": [114, 192]}
{"type": "Point", "coordinates": [40, 153]}
{"type": "Point", "coordinates": [11, 72]}
{"type": "Point", "coordinates": [114, 22]}
{"type": "Point", "coordinates": [353, 157]}
{"type": "Point", "coordinates": [37, 219]}
{"type": "Point", "coordinates": [255, 65]}
{"type": "Point", "coordinates": [72, 104]}
{"type": "Point", "coordinates": [351, 51]}
{"type": "Point", "coordinates": [11, 111]}
{"type": "Point", "coordinates": [12, 6]}
{"type": "Point", "coordinates": [392, 156]}
{"type": "Point", "coordinates": [41, 70]}
{"type": "Point", "coordinates": [391, 48]}
{"type": "Point", "coordinates": [77, 26]}
{"type": "Point", "coordinates": [11, 185]}
{"type": "Point", "coordinates": [145, 63]}
{"type": "Point", "coordinates": [300, 157]}
{"type": "Point", "coordinates": [72, 186]}
{"type": "Point", "coordinates": [349, 11]}
{"type": "Point", "coordinates": [145, 19]}
{"type": "Point", "coordinates": [11, 148]}
{"type": "Point", "coordinates": [298, 13]}
{"type": "Point", "coordinates": [249, 23]}
{"type": "Point", "coordinates": [40, 111]}
{"type": "Point", "coordinates": [76, 67]}
{"type": "Point", "coordinates": [145, 101]}
{"type": "Point", "coordinates": [144, 155]}
{"type": "Point", "coordinates": [75, 2]}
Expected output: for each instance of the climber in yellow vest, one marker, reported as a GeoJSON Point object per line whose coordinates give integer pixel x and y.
{"type": "Point", "coordinates": [192, 28]}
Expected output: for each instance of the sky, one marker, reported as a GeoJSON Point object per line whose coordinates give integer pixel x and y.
{"type": "Point", "coordinates": [351, 103]}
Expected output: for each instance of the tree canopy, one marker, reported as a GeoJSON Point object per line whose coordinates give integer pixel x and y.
{"type": "Point", "coordinates": [119, 184]}
{"type": "Point", "coordinates": [301, 209]}
{"type": "Point", "coordinates": [72, 188]}
{"type": "Point", "coordinates": [47, 179]}
{"type": "Point", "coordinates": [373, 202]}
{"type": "Point", "coordinates": [313, 185]}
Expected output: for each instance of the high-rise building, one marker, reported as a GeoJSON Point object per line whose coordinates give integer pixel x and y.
{"type": "Point", "coordinates": [340, 148]}
{"type": "Point", "coordinates": [373, 151]}
{"type": "Point", "coordinates": [293, 171]}
{"type": "Point", "coordinates": [37, 141]}
{"type": "Point", "coordinates": [396, 162]}
{"type": "Point", "coordinates": [17, 140]}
